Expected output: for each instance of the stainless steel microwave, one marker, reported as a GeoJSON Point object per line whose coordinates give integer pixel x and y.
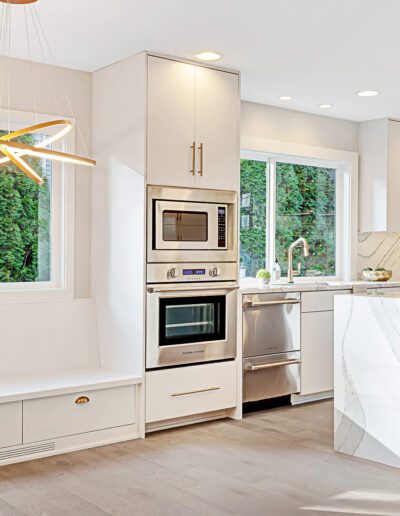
{"type": "Point", "coordinates": [191, 224]}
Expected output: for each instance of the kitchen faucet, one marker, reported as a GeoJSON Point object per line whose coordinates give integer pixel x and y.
{"type": "Point", "coordinates": [290, 272]}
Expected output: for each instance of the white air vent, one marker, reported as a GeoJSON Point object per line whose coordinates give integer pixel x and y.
{"type": "Point", "coordinates": [27, 450]}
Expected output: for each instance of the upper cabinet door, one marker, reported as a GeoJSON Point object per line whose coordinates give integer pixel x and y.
{"type": "Point", "coordinates": [217, 129]}
{"type": "Point", "coordinates": [171, 122]}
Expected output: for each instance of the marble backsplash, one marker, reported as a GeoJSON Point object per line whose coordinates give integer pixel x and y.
{"type": "Point", "coordinates": [379, 250]}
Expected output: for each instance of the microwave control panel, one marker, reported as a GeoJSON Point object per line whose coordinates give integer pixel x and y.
{"type": "Point", "coordinates": [221, 226]}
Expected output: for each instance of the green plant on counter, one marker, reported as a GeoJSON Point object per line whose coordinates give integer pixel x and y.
{"type": "Point", "coordinates": [263, 273]}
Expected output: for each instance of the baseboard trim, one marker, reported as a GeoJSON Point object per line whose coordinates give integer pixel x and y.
{"type": "Point", "coordinates": [297, 399]}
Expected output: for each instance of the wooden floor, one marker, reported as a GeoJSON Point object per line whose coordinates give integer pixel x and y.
{"type": "Point", "coordinates": [276, 462]}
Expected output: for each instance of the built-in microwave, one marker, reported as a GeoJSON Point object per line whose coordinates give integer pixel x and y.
{"type": "Point", "coordinates": [191, 224]}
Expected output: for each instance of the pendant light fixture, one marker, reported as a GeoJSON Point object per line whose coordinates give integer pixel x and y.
{"type": "Point", "coordinates": [10, 149]}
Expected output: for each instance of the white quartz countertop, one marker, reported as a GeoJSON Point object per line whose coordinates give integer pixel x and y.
{"type": "Point", "coordinates": [367, 377]}
{"type": "Point", "coordinates": [251, 286]}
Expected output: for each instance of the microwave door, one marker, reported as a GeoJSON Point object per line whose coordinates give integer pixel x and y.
{"type": "Point", "coordinates": [185, 226]}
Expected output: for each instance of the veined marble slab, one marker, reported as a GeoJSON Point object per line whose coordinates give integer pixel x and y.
{"type": "Point", "coordinates": [367, 377]}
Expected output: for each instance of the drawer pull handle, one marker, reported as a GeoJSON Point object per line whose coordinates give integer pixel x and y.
{"type": "Point", "coordinates": [257, 304]}
{"type": "Point", "coordinates": [249, 367]}
{"type": "Point", "coordinates": [175, 394]}
{"type": "Point", "coordinates": [82, 399]}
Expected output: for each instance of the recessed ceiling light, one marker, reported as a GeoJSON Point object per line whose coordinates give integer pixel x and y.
{"type": "Point", "coordinates": [208, 55]}
{"type": "Point", "coordinates": [285, 97]}
{"type": "Point", "coordinates": [325, 106]}
{"type": "Point", "coordinates": [368, 93]}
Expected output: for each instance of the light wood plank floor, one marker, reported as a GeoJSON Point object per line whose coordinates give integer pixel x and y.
{"type": "Point", "coordinates": [276, 463]}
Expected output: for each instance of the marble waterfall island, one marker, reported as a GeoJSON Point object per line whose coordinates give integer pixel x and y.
{"type": "Point", "coordinates": [367, 377]}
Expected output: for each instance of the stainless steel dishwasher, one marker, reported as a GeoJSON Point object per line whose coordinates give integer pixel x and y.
{"type": "Point", "coordinates": [271, 345]}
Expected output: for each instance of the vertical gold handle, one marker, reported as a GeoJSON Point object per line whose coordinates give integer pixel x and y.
{"type": "Point", "coordinates": [201, 147]}
{"type": "Point", "coordinates": [193, 147]}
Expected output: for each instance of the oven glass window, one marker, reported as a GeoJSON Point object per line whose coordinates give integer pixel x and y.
{"type": "Point", "coordinates": [192, 319]}
{"type": "Point", "coordinates": [185, 226]}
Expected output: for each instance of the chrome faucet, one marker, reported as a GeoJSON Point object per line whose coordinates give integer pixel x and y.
{"type": "Point", "coordinates": [291, 272]}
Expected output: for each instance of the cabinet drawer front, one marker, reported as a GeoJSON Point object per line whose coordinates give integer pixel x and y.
{"type": "Point", "coordinates": [10, 424]}
{"type": "Point", "coordinates": [59, 416]}
{"type": "Point", "coordinates": [184, 391]}
{"type": "Point", "coordinates": [316, 352]}
{"type": "Point", "coordinates": [320, 301]}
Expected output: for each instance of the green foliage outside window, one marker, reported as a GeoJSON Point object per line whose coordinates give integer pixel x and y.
{"type": "Point", "coordinates": [253, 201]}
{"type": "Point", "coordinates": [24, 221]}
{"type": "Point", "coordinates": [305, 206]}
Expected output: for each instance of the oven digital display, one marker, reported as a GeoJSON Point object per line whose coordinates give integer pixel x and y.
{"type": "Point", "coordinates": [193, 272]}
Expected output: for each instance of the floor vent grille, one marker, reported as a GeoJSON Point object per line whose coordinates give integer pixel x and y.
{"type": "Point", "coordinates": [27, 450]}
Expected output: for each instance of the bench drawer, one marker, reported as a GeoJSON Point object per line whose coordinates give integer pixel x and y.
{"type": "Point", "coordinates": [185, 391]}
{"type": "Point", "coordinates": [69, 414]}
{"type": "Point", "coordinates": [320, 301]}
{"type": "Point", "coordinates": [10, 424]}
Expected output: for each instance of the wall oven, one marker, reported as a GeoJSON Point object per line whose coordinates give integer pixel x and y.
{"type": "Point", "coordinates": [190, 323]}
{"type": "Point", "coordinates": [191, 225]}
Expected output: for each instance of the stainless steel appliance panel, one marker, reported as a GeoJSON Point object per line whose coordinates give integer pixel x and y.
{"type": "Point", "coordinates": [271, 376]}
{"type": "Point", "coordinates": [271, 323]}
{"type": "Point", "coordinates": [187, 325]}
{"type": "Point", "coordinates": [186, 225]}
{"type": "Point", "coordinates": [191, 272]}
{"type": "Point", "coordinates": [175, 225]}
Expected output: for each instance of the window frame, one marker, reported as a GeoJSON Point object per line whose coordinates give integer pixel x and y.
{"type": "Point", "coordinates": [62, 223]}
{"type": "Point", "coordinates": [344, 224]}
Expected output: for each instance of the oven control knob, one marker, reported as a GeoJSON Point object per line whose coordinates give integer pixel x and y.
{"type": "Point", "coordinates": [172, 273]}
{"type": "Point", "coordinates": [214, 272]}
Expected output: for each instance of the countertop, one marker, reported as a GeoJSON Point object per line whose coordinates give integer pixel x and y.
{"type": "Point", "coordinates": [367, 377]}
{"type": "Point", "coordinates": [251, 286]}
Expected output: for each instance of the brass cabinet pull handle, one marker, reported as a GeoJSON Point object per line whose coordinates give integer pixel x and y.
{"type": "Point", "coordinates": [175, 394]}
{"type": "Point", "coordinates": [193, 147]}
{"type": "Point", "coordinates": [82, 399]}
{"type": "Point", "coordinates": [201, 147]}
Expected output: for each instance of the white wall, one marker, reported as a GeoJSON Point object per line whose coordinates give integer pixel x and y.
{"type": "Point", "coordinates": [45, 79]}
{"type": "Point", "coordinates": [272, 123]}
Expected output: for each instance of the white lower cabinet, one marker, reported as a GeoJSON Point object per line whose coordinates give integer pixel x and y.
{"type": "Point", "coordinates": [185, 391]}
{"type": "Point", "coordinates": [10, 424]}
{"type": "Point", "coordinates": [69, 414]}
{"type": "Point", "coordinates": [316, 352]}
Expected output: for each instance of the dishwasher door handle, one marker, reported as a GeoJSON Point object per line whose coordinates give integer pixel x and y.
{"type": "Point", "coordinates": [257, 304]}
{"type": "Point", "coordinates": [249, 367]}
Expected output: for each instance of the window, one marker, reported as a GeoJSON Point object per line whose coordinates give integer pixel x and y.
{"type": "Point", "coordinates": [25, 220]}
{"type": "Point", "coordinates": [283, 198]}
{"type": "Point", "coordinates": [36, 221]}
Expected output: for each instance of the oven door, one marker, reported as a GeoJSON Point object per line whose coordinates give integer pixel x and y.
{"type": "Point", "coordinates": [190, 326]}
{"type": "Point", "coordinates": [189, 226]}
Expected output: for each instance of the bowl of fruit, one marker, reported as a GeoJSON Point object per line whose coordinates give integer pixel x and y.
{"type": "Point", "coordinates": [378, 274]}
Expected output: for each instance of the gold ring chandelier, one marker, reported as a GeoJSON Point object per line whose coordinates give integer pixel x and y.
{"type": "Point", "coordinates": [14, 152]}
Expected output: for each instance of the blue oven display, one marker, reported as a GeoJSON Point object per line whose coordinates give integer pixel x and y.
{"type": "Point", "coordinates": [193, 272]}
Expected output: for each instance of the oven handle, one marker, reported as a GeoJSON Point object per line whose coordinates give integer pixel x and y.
{"type": "Point", "coordinates": [259, 304]}
{"type": "Point", "coordinates": [249, 367]}
{"type": "Point", "coordinates": [151, 290]}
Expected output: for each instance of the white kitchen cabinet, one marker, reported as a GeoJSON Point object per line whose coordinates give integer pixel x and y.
{"type": "Point", "coordinates": [217, 129]}
{"type": "Point", "coordinates": [185, 391]}
{"type": "Point", "coordinates": [192, 125]}
{"type": "Point", "coordinates": [320, 301]}
{"type": "Point", "coordinates": [316, 352]}
{"type": "Point", "coordinates": [10, 424]}
{"type": "Point", "coordinates": [379, 178]}
{"type": "Point", "coordinates": [170, 122]}
{"type": "Point", "coordinates": [78, 413]}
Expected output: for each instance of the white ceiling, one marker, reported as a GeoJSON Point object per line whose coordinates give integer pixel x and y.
{"type": "Point", "coordinates": [319, 51]}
